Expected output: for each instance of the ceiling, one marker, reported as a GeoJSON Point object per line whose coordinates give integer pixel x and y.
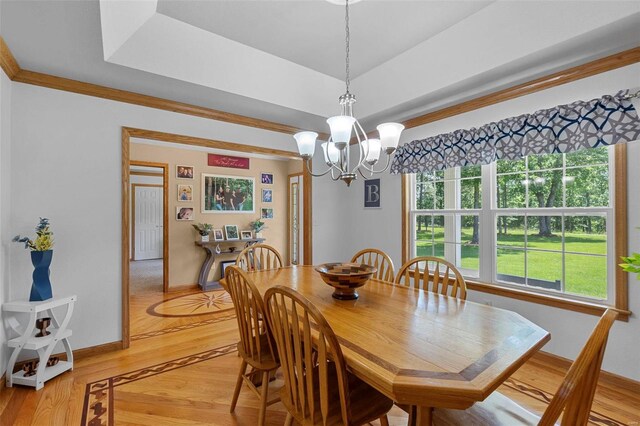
{"type": "Point", "coordinates": [283, 61]}
{"type": "Point", "coordinates": [312, 33]}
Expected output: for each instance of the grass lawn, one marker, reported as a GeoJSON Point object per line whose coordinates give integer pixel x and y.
{"type": "Point", "coordinates": [585, 275]}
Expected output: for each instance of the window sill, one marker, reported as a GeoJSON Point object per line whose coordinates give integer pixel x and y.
{"type": "Point", "coordinates": [548, 300]}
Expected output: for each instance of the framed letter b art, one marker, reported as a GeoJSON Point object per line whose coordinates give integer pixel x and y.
{"type": "Point", "coordinates": [372, 193]}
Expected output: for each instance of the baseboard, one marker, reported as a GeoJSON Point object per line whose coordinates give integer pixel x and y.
{"type": "Point", "coordinates": [182, 287]}
{"type": "Point", "coordinates": [605, 377]}
{"type": "Point", "coordinates": [77, 354]}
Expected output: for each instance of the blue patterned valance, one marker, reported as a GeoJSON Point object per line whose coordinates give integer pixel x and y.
{"type": "Point", "coordinates": [584, 124]}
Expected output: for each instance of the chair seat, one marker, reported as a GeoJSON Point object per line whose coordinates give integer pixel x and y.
{"type": "Point", "coordinates": [367, 404]}
{"type": "Point", "coordinates": [497, 409]}
{"type": "Point", "coordinates": [266, 361]}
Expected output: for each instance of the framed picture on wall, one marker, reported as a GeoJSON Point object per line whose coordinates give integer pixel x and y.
{"type": "Point", "coordinates": [266, 214]}
{"type": "Point", "coordinates": [246, 235]}
{"type": "Point", "coordinates": [218, 235]}
{"type": "Point", "coordinates": [266, 178]}
{"type": "Point", "coordinates": [227, 194]}
{"type": "Point", "coordinates": [184, 172]}
{"type": "Point", "coordinates": [232, 232]}
{"type": "Point", "coordinates": [224, 265]}
{"type": "Point", "coordinates": [267, 195]}
{"type": "Point", "coordinates": [184, 213]}
{"type": "Point", "coordinates": [185, 192]}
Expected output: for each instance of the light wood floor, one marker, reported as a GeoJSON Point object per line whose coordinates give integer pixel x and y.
{"type": "Point", "coordinates": [181, 371]}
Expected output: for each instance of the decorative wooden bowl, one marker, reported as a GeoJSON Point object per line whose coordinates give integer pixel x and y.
{"type": "Point", "coordinates": [345, 278]}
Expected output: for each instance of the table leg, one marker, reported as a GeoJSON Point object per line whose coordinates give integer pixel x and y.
{"type": "Point", "coordinates": [420, 416]}
{"type": "Point", "coordinates": [206, 268]}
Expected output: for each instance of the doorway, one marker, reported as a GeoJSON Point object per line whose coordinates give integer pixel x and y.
{"type": "Point", "coordinates": [148, 263]}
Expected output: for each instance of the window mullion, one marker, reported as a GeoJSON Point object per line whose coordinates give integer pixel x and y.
{"type": "Point", "coordinates": [487, 224]}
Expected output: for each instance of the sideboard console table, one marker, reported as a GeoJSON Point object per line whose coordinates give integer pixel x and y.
{"type": "Point", "coordinates": [31, 338]}
{"type": "Point", "coordinates": [214, 248]}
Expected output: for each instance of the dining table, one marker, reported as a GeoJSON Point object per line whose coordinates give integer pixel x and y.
{"type": "Point", "coordinates": [421, 349]}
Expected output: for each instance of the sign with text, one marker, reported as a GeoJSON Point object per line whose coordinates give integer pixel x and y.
{"type": "Point", "coordinates": [228, 161]}
{"type": "Point", "coordinates": [372, 193]}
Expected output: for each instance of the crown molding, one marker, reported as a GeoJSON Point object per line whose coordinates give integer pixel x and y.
{"type": "Point", "coordinates": [15, 73]}
{"type": "Point", "coordinates": [588, 69]}
{"type": "Point", "coordinates": [7, 61]}
{"type": "Point", "coordinates": [207, 143]}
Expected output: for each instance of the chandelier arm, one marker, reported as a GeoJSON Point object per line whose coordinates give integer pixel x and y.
{"type": "Point", "coordinates": [379, 171]}
{"type": "Point", "coordinates": [361, 149]}
{"type": "Point", "coordinates": [314, 174]}
{"type": "Point", "coordinates": [362, 174]}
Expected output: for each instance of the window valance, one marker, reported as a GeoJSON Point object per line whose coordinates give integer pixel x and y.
{"type": "Point", "coordinates": [607, 120]}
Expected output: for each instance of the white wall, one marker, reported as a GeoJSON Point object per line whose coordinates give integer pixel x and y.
{"type": "Point", "coordinates": [5, 203]}
{"type": "Point", "coordinates": [569, 330]}
{"type": "Point", "coordinates": [66, 165]}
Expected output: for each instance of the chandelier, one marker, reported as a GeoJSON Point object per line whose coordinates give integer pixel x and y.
{"type": "Point", "coordinates": [337, 150]}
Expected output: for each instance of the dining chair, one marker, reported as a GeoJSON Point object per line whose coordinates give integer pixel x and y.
{"type": "Point", "coordinates": [256, 346]}
{"type": "Point", "coordinates": [318, 389]}
{"type": "Point", "coordinates": [379, 259]}
{"type": "Point", "coordinates": [433, 274]}
{"type": "Point", "coordinates": [259, 257]}
{"type": "Point", "coordinates": [574, 396]}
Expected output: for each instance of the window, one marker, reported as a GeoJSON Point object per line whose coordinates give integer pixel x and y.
{"type": "Point", "coordinates": [543, 224]}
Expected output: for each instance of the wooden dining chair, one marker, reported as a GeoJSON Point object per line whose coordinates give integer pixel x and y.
{"type": "Point", "coordinates": [318, 389]}
{"type": "Point", "coordinates": [256, 346]}
{"type": "Point", "coordinates": [433, 274]}
{"type": "Point", "coordinates": [574, 396]}
{"type": "Point", "coordinates": [378, 259]}
{"type": "Point", "coordinates": [259, 257]}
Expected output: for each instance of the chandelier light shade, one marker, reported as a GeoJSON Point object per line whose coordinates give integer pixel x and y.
{"type": "Point", "coordinates": [346, 130]}
{"type": "Point", "coordinates": [331, 153]}
{"type": "Point", "coordinates": [390, 135]}
{"type": "Point", "coordinates": [372, 150]}
{"type": "Point", "coordinates": [306, 143]}
{"type": "Point", "coordinates": [341, 126]}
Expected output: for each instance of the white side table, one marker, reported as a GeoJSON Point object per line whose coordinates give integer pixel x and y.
{"type": "Point", "coordinates": [44, 346]}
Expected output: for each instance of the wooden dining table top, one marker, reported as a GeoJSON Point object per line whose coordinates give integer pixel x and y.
{"type": "Point", "coordinates": [417, 347]}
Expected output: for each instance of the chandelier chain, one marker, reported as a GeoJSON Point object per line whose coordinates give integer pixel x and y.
{"type": "Point", "coordinates": [347, 42]}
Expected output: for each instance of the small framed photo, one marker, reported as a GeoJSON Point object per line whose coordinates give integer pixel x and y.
{"type": "Point", "coordinates": [185, 192]}
{"type": "Point", "coordinates": [232, 232]}
{"type": "Point", "coordinates": [267, 195]}
{"type": "Point", "coordinates": [266, 178]}
{"type": "Point", "coordinates": [246, 235]}
{"type": "Point", "coordinates": [266, 214]}
{"type": "Point", "coordinates": [218, 235]}
{"type": "Point", "coordinates": [184, 172]}
{"type": "Point", "coordinates": [224, 265]}
{"type": "Point", "coordinates": [184, 213]}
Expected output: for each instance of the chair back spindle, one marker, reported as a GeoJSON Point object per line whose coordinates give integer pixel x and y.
{"type": "Point", "coordinates": [433, 274]}
{"type": "Point", "coordinates": [256, 340]}
{"type": "Point", "coordinates": [311, 358]}
{"type": "Point", "coordinates": [575, 394]}
{"type": "Point", "coordinates": [259, 257]}
{"type": "Point", "coordinates": [378, 259]}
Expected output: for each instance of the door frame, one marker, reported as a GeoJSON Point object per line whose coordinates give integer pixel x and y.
{"type": "Point", "coordinates": [304, 253]}
{"type": "Point", "coordinates": [130, 132]}
{"type": "Point", "coordinates": [165, 218]}
{"type": "Point", "coordinates": [133, 220]}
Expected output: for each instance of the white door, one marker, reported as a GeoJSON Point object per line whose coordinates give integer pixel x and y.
{"type": "Point", "coordinates": [148, 223]}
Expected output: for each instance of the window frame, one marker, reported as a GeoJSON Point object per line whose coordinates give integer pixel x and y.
{"type": "Point", "coordinates": [617, 288]}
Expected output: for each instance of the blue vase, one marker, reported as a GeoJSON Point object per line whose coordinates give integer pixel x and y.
{"type": "Point", "coordinates": [41, 286]}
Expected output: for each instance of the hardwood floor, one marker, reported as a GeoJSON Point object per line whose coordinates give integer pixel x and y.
{"type": "Point", "coordinates": [181, 370]}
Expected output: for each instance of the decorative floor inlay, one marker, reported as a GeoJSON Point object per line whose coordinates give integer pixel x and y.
{"type": "Point", "coordinates": [193, 304]}
{"type": "Point", "coordinates": [99, 399]}
{"type": "Point", "coordinates": [542, 396]}
{"type": "Point", "coordinates": [223, 317]}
